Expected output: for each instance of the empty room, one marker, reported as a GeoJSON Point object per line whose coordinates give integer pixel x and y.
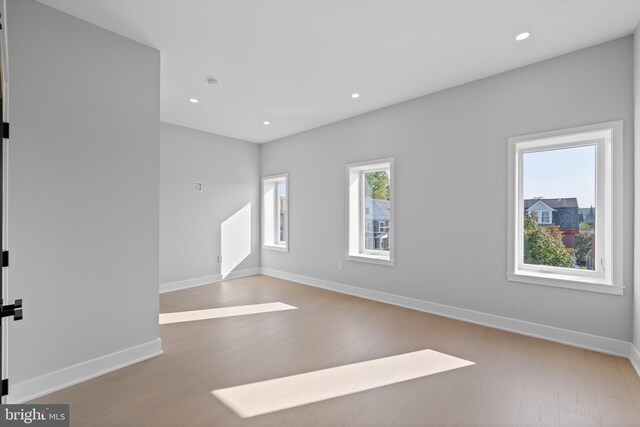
{"type": "Point", "coordinates": [320, 213]}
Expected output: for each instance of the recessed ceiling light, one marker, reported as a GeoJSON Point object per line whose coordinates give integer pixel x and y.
{"type": "Point", "coordinates": [267, 123]}
{"type": "Point", "coordinates": [355, 95]}
{"type": "Point", "coordinates": [523, 36]}
{"type": "Point", "coordinates": [193, 100]}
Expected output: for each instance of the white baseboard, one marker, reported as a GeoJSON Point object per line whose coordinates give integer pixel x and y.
{"type": "Point", "coordinates": [564, 336]}
{"type": "Point", "coordinates": [48, 383]}
{"type": "Point", "coordinates": [634, 358]}
{"type": "Point", "coordinates": [206, 280]}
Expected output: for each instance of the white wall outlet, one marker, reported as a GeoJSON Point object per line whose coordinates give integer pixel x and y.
{"type": "Point", "coordinates": [219, 259]}
{"type": "Point", "coordinates": [197, 186]}
{"type": "Point", "coordinates": [340, 265]}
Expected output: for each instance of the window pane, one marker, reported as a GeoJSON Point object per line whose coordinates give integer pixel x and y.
{"type": "Point", "coordinates": [275, 214]}
{"type": "Point", "coordinates": [377, 210]}
{"type": "Point", "coordinates": [559, 191]}
{"type": "Point", "coordinates": [282, 212]}
{"type": "Point", "coordinates": [544, 217]}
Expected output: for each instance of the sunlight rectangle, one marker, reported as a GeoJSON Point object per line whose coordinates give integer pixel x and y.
{"type": "Point", "coordinates": [277, 394]}
{"type": "Point", "coordinates": [215, 313]}
{"type": "Point", "coordinates": [235, 240]}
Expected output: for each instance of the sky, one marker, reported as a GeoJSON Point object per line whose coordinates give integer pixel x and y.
{"type": "Point", "coordinates": [554, 174]}
{"type": "Point", "coordinates": [282, 190]}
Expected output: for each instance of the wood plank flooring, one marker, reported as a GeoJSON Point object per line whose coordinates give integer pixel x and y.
{"type": "Point", "coordinates": [516, 381]}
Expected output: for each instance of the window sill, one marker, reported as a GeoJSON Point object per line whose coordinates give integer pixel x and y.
{"type": "Point", "coordinates": [279, 248]}
{"type": "Point", "coordinates": [579, 283]}
{"type": "Point", "coordinates": [371, 259]}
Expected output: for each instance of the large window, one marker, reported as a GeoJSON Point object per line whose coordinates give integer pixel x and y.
{"type": "Point", "coordinates": [563, 208]}
{"type": "Point", "coordinates": [275, 212]}
{"type": "Point", "coordinates": [370, 211]}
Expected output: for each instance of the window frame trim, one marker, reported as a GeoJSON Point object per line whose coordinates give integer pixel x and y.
{"type": "Point", "coordinates": [279, 247]}
{"type": "Point", "coordinates": [373, 257]}
{"type": "Point", "coordinates": [609, 146]}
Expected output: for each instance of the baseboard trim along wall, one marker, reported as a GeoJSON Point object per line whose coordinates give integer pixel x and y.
{"type": "Point", "coordinates": [564, 336]}
{"type": "Point", "coordinates": [634, 358]}
{"type": "Point", "coordinates": [206, 280]}
{"type": "Point", "coordinates": [48, 383]}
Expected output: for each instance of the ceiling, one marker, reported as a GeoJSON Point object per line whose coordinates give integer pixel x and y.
{"type": "Point", "coordinates": [295, 63]}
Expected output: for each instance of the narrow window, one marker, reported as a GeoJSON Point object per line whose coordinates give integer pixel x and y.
{"type": "Point", "coordinates": [275, 212]}
{"type": "Point", "coordinates": [561, 208]}
{"type": "Point", "coordinates": [370, 211]}
{"type": "Point", "coordinates": [544, 217]}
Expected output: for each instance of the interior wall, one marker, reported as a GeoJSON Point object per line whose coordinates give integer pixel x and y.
{"type": "Point", "coordinates": [83, 191]}
{"type": "Point", "coordinates": [636, 303]}
{"type": "Point", "coordinates": [450, 151]}
{"type": "Point", "coordinates": [192, 222]}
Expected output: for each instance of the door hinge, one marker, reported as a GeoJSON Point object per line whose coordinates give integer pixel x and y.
{"type": "Point", "coordinates": [5, 130]}
{"type": "Point", "coordinates": [5, 258]}
{"type": "Point", "coordinates": [5, 387]}
{"type": "Point", "coordinates": [14, 310]}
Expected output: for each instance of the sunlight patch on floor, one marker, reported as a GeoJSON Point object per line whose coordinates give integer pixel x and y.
{"type": "Point", "coordinates": [215, 313]}
{"type": "Point", "coordinates": [287, 392]}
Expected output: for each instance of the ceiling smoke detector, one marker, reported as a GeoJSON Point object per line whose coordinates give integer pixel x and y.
{"type": "Point", "coordinates": [212, 81]}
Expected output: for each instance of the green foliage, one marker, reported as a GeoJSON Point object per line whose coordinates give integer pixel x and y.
{"type": "Point", "coordinates": [377, 185]}
{"type": "Point", "coordinates": [586, 226]}
{"type": "Point", "coordinates": [543, 245]}
{"type": "Point", "coordinates": [583, 245]}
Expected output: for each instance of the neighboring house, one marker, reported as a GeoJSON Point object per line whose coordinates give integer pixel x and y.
{"type": "Point", "coordinates": [561, 212]}
{"type": "Point", "coordinates": [377, 214]}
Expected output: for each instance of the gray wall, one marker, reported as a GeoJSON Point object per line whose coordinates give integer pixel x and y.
{"type": "Point", "coordinates": [190, 221]}
{"type": "Point", "coordinates": [83, 190]}
{"type": "Point", "coordinates": [636, 85]}
{"type": "Point", "coordinates": [450, 150]}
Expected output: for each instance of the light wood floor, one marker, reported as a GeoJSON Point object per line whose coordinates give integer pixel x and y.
{"type": "Point", "coordinates": [517, 380]}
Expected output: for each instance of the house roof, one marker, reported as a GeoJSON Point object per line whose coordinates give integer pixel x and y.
{"type": "Point", "coordinates": [539, 205]}
{"type": "Point", "coordinates": [569, 202]}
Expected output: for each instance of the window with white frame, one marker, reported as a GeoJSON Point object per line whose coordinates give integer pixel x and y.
{"type": "Point", "coordinates": [275, 212]}
{"type": "Point", "coordinates": [545, 217]}
{"type": "Point", "coordinates": [370, 204]}
{"type": "Point", "coordinates": [562, 208]}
